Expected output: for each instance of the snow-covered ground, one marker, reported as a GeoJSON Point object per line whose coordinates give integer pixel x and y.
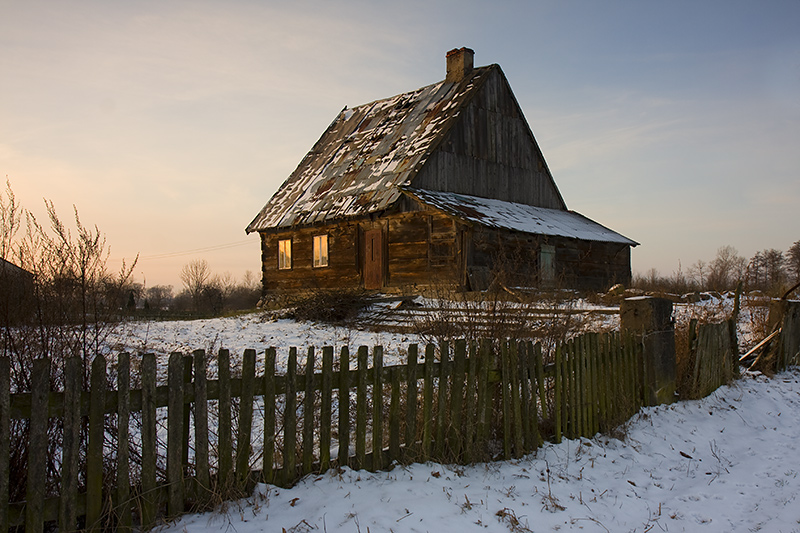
{"type": "Point", "coordinates": [726, 463]}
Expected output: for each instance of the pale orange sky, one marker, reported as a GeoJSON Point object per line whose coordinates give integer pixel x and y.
{"type": "Point", "coordinates": [169, 125]}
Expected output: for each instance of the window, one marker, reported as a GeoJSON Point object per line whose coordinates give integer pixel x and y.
{"type": "Point", "coordinates": [285, 254]}
{"type": "Point", "coordinates": [320, 251]}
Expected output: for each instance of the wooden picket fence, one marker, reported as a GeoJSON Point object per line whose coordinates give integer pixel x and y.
{"type": "Point", "coordinates": [195, 438]}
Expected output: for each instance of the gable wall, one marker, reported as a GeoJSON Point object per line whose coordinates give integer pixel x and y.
{"type": "Point", "coordinates": [490, 152]}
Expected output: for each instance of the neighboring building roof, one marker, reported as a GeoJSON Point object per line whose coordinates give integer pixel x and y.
{"type": "Point", "coordinates": [357, 165]}
{"type": "Point", "coordinates": [13, 269]}
{"type": "Point", "coordinates": [518, 217]}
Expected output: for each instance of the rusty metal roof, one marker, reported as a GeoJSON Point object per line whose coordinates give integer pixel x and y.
{"type": "Point", "coordinates": [518, 217]}
{"type": "Point", "coordinates": [355, 168]}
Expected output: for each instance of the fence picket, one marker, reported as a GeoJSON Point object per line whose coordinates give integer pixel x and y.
{"type": "Point", "coordinates": [394, 416]}
{"type": "Point", "coordinates": [308, 414]}
{"type": "Point", "coordinates": [361, 408]}
{"type": "Point", "coordinates": [149, 496]}
{"type": "Point", "coordinates": [290, 421]}
{"type": "Point", "coordinates": [37, 446]}
{"type": "Point", "coordinates": [224, 430]}
{"type": "Point", "coordinates": [68, 500]}
{"type": "Point", "coordinates": [411, 405]}
{"type": "Point", "coordinates": [94, 450]}
{"type": "Point", "coordinates": [441, 418]}
{"type": "Point", "coordinates": [377, 408]}
{"type": "Point", "coordinates": [245, 420]}
{"type": "Point", "coordinates": [202, 475]}
{"type": "Point", "coordinates": [175, 443]}
{"type": "Point", "coordinates": [343, 397]}
{"type": "Point", "coordinates": [470, 403]}
{"type": "Point", "coordinates": [457, 399]}
{"type": "Point", "coordinates": [325, 409]}
{"type": "Point", "coordinates": [427, 404]}
{"type": "Point", "coordinates": [5, 441]}
{"type": "Point", "coordinates": [267, 470]}
{"type": "Point", "coordinates": [123, 419]}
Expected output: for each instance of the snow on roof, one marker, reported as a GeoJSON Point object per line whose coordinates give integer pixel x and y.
{"type": "Point", "coordinates": [365, 154]}
{"type": "Point", "coordinates": [518, 217]}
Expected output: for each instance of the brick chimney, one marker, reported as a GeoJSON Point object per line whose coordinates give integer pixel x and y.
{"type": "Point", "coordinates": [459, 64]}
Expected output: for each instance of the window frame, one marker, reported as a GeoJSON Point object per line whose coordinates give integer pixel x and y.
{"type": "Point", "coordinates": [283, 264]}
{"type": "Point", "coordinates": [316, 242]}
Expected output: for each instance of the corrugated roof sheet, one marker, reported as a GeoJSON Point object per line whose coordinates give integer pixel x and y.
{"type": "Point", "coordinates": [518, 217]}
{"type": "Point", "coordinates": [365, 154]}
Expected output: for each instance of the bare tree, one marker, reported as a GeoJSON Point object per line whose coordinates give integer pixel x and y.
{"type": "Point", "coordinates": [727, 268]}
{"type": "Point", "coordinates": [793, 261]}
{"type": "Point", "coordinates": [195, 277]}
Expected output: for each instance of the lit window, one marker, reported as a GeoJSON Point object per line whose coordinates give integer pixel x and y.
{"type": "Point", "coordinates": [320, 251]}
{"type": "Point", "coordinates": [285, 254]}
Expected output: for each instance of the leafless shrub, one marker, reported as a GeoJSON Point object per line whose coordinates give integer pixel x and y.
{"type": "Point", "coordinates": [329, 306]}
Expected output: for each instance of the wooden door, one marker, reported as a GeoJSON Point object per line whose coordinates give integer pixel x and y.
{"type": "Point", "coordinates": [373, 259]}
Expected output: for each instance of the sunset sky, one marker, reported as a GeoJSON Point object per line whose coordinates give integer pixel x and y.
{"type": "Point", "coordinates": [170, 124]}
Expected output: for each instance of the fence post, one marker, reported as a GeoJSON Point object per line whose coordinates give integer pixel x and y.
{"type": "Point", "coordinates": [650, 321]}
{"type": "Point", "coordinates": [37, 447]}
{"type": "Point", "coordinates": [5, 438]}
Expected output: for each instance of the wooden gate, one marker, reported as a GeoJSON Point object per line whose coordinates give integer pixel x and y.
{"type": "Point", "coordinates": [373, 259]}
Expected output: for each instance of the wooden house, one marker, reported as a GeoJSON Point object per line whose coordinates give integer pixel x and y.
{"type": "Point", "coordinates": [444, 184]}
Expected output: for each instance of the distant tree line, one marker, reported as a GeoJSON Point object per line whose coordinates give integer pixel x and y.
{"type": "Point", "coordinates": [203, 293]}
{"type": "Point", "coordinates": [769, 271]}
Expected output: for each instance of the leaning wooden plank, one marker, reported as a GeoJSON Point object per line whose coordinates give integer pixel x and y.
{"type": "Point", "coordinates": [325, 409]}
{"type": "Point", "coordinates": [68, 500]}
{"type": "Point", "coordinates": [377, 408]}
{"type": "Point", "coordinates": [149, 497]}
{"type": "Point", "coordinates": [123, 463]}
{"type": "Point", "coordinates": [245, 420]}
{"type": "Point", "coordinates": [202, 474]}
{"type": "Point", "coordinates": [267, 471]}
{"type": "Point", "coordinates": [94, 451]}
{"type": "Point", "coordinates": [175, 488]}
{"type": "Point", "coordinates": [224, 431]}
{"type": "Point", "coordinates": [343, 397]}
{"type": "Point", "coordinates": [37, 446]}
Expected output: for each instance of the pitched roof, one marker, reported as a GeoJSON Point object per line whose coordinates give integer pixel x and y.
{"type": "Point", "coordinates": [355, 168]}
{"type": "Point", "coordinates": [518, 217]}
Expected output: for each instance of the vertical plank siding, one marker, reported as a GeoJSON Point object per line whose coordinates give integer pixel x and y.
{"type": "Point", "coordinates": [478, 398]}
